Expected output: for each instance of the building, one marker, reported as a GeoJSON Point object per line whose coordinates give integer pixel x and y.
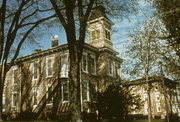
{"type": "Point", "coordinates": [163, 93]}
{"type": "Point", "coordinates": [39, 82]}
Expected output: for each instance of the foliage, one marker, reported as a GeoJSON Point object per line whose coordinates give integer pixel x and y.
{"type": "Point", "coordinates": [169, 13]}
{"type": "Point", "coordinates": [116, 102]}
{"type": "Point", "coordinates": [160, 54]}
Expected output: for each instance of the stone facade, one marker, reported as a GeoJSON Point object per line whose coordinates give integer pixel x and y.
{"type": "Point", "coordinates": [160, 88]}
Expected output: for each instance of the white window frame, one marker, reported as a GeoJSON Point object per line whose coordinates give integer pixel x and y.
{"type": "Point", "coordinates": [13, 78]}
{"type": "Point", "coordinates": [88, 94]}
{"type": "Point", "coordinates": [95, 34]}
{"type": "Point", "coordinates": [47, 95]}
{"type": "Point", "coordinates": [34, 90]}
{"type": "Point", "coordinates": [107, 33]}
{"type": "Point", "coordinates": [51, 66]}
{"type": "Point", "coordinates": [12, 99]}
{"type": "Point", "coordinates": [110, 67]}
{"type": "Point", "coordinates": [86, 68]}
{"type": "Point", "coordinates": [65, 72]}
{"type": "Point", "coordinates": [33, 69]}
{"type": "Point", "coordinates": [62, 92]}
{"type": "Point", "coordinates": [146, 108]}
{"type": "Point", "coordinates": [4, 99]}
{"type": "Point", "coordinates": [117, 68]}
{"type": "Point", "coordinates": [145, 96]}
{"type": "Point", "coordinates": [156, 96]}
{"type": "Point", "coordinates": [94, 58]}
{"type": "Point", "coordinates": [158, 105]}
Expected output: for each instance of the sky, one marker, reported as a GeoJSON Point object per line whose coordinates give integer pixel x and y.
{"type": "Point", "coordinates": [119, 36]}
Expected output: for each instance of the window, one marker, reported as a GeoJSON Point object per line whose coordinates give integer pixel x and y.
{"type": "Point", "coordinates": [110, 67]}
{"type": "Point", "coordinates": [85, 89]}
{"type": "Point", "coordinates": [145, 97]}
{"type": "Point", "coordinates": [64, 65]}
{"type": "Point", "coordinates": [95, 34]}
{"type": "Point", "coordinates": [49, 98]}
{"type": "Point", "coordinates": [15, 76]}
{"type": "Point", "coordinates": [35, 70]}
{"type": "Point", "coordinates": [34, 97]}
{"type": "Point", "coordinates": [158, 107]}
{"type": "Point", "coordinates": [146, 108]}
{"type": "Point", "coordinates": [117, 70]}
{"type": "Point", "coordinates": [49, 66]}
{"type": "Point", "coordinates": [157, 97]}
{"type": "Point", "coordinates": [64, 91]}
{"type": "Point", "coordinates": [85, 62]}
{"type": "Point", "coordinates": [93, 64]}
{"type": "Point", "coordinates": [4, 99]}
{"type": "Point", "coordinates": [14, 99]}
{"type": "Point", "coordinates": [93, 90]}
{"type": "Point", "coordinates": [108, 36]}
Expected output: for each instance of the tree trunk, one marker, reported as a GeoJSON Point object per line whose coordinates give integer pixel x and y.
{"type": "Point", "coordinates": [74, 86]}
{"type": "Point", "coordinates": [1, 99]}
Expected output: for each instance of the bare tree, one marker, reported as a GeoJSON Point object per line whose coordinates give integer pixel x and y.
{"type": "Point", "coordinates": [18, 19]}
{"type": "Point", "coordinates": [73, 15]}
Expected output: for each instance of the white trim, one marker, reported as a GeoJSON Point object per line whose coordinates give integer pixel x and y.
{"type": "Point", "coordinates": [34, 90]}
{"type": "Point", "coordinates": [65, 72]}
{"type": "Point", "coordinates": [86, 68]}
{"type": "Point", "coordinates": [110, 67]}
{"type": "Point", "coordinates": [62, 92]}
{"type": "Point", "coordinates": [158, 106]}
{"type": "Point", "coordinates": [36, 61]}
{"type": "Point", "coordinates": [88, 95]}
{"type": "Point", "coordinates": [12, 99]}
{"type": "Point", "coordinates": [47, 87]}
{"type": "Point", "coordinates": [94, 58]}
{"type": "Point", "coordinates": [51, 66]}
{"type": "Point", "coordinates": [13, 79]}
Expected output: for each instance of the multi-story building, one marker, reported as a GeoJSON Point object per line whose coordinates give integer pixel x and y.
{"type": "Point", "coordinates": [39, 82]}
{"type": "Point", "coordinates": [163, 95]}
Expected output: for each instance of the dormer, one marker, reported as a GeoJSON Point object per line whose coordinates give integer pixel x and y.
{"type": "Point", "coordinates": [100, 28]}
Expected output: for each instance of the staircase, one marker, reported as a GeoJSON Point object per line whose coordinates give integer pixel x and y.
{"type": "Point", "coordinates": [42, 103]}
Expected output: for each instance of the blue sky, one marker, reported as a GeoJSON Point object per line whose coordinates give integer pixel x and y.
{"type": "Point", "coordinates": [119, 37]}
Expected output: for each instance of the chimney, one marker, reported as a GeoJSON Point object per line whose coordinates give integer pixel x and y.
{"type": "Point", "coordinates": [54, 41]}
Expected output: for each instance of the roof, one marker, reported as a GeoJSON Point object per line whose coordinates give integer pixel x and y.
{"type": "Point", "coordinates": [151, 80]}
{"type": "Point", "coordinates": [99, 12]}
{"type": "Point", "coordinates": [63, 48]}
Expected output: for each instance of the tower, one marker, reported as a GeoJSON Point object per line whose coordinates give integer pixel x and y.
{"type": "Point", "coordinates": [100, 28]}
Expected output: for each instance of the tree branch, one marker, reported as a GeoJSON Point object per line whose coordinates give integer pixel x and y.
{"type": "Point", "coordinates": [2, 20]}
{"type": "Point", "coordinates": [12, 62]}
{"type": "Point", "coordinates": [59, 14]}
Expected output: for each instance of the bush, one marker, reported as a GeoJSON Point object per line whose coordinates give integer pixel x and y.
{"type": "Point", "coordinates": [26, 116]}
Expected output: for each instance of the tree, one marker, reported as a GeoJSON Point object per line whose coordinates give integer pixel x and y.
{"type": "Point", "coordinates": [116, 102]}
{"type": "Point", "coordinates": [73, 15]}
{"type": "Point", "coordinates": [159, 51]}
{"type": "Point", "coordinates": [18, 19]}
{"type": "Point", "coordinates": [169, 13]}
